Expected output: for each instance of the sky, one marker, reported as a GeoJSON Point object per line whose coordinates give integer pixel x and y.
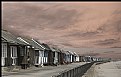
{"type": "Point", "coordinates": [84, 27]}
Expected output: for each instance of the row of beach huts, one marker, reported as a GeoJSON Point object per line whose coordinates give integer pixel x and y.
{"type": "Point", "coordinates": [23, 53]}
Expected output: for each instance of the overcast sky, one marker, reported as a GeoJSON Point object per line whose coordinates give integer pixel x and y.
{"type": "Point", "coordinates": [68, 25]}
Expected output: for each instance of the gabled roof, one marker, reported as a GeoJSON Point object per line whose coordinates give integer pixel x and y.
{"type": "Point", "coordinates": [23, 40]}
{"type": "Point", "coordinates": [54, 49]}
{"type": "Point", "coordinates": [58, 50]}
{"type": "Point", "coordinates": [3, 40]}
{"type": "Point", "coordinates": [46, 46]}
{"type": "Point", "coordinates": [70, 52]}
{"type": "Point", "coordinates": [75, 54]}
{"type": "Point", "coordinates": [66, 52]}
{"type": "Point", "coordinates": [30, 42]}
{"type": "Point", "coordinates": [62, 51]}
{"type": "Point", "coordinates": [8, 37]}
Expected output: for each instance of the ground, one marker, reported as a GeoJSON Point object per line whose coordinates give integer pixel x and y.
{"type": "Point", "coordinates": [110, 69]}
{"type": "Point", "coordinates": [46, 71]}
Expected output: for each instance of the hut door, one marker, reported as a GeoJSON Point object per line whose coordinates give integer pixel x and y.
{"type": "Point", "coordinates": [56, 58]}
{"type": "Point", "coordinates": [46, 57]}
{"type": "Point", "coordinates": [36, 57]}
{"type": "Point", "coordinates": [13, 54]}
{"type": "Point", "coordinates": [41, 57]}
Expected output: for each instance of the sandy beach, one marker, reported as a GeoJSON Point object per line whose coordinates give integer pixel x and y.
{"type": "Point", "coordinates": [110, 69]}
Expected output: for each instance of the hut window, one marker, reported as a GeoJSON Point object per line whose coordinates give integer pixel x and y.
{"type": "Point", "coordinates": [36, 52]}
{"type": "Point", "coordinates": [13, 51]}
{"type": "Point", "coordinates": [45, 54]}
{"type": "Point", "coordinates": [4, 50]}
{"type": "Point", "coordinates": [22, 53]}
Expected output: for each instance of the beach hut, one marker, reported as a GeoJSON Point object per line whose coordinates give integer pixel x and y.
{"type": "Point", "coordinates": [36, 52]}
{"type": "Point", "coordinates": [49, 54]}
{"type": "Point", "coordinates": [71, 55]}
{"type": "Point", "coordinates": [76, 57]}
{"type": "Point", "coordinates": [41, 55]}
{"type": "Point", "coordinates": [62, 57]}
{"type": "Point", "coordinates": [67, 57]}
{"type": "Point", "coordinates": [56, 54]}
{"type": "Point", "coordinates": [10, 50]}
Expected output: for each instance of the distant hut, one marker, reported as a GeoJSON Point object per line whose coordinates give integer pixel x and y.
{"type": "Point", "coordinates": [56, 53]}
{"type": "Point", "coordinates": [49, 54]}
{"type": "Point", "coordinates": [40, 54]}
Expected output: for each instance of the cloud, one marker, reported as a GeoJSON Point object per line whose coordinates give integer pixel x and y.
{"type": "Point", "coordinates": [107, 42]}
{"type": "Point", "coordinates": [42, 16]}
{"type": "Point", "coordinates": [79, 34]}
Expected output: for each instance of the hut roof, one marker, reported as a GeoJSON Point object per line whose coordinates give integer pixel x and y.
{"type": "Point", "coordinates": [8, 37]}
{"type": "Point", "coordinates": [70, 52]}
{"type": "Point", "coordinates": [54, 49]}
{"type": "Point", "coordinates": [30, 42]}
{"type": "Point", "coordinates": [46, 46]}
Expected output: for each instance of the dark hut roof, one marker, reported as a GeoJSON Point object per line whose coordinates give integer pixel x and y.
{"type": "Point", "coordinates": [66, 52]}
{"type": "Point", "coordinates": [69, 52]}
{"type": "Point", "coordinates": [46, 46]}
{"type": "Point", "coordinates": [55, 49]}
{"type": "Point", "coordinates": [8, 37]}
{"type": "Point", "coordinates": [3, 40]}
{"type": "Point", "coordinates": [75, 54]}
